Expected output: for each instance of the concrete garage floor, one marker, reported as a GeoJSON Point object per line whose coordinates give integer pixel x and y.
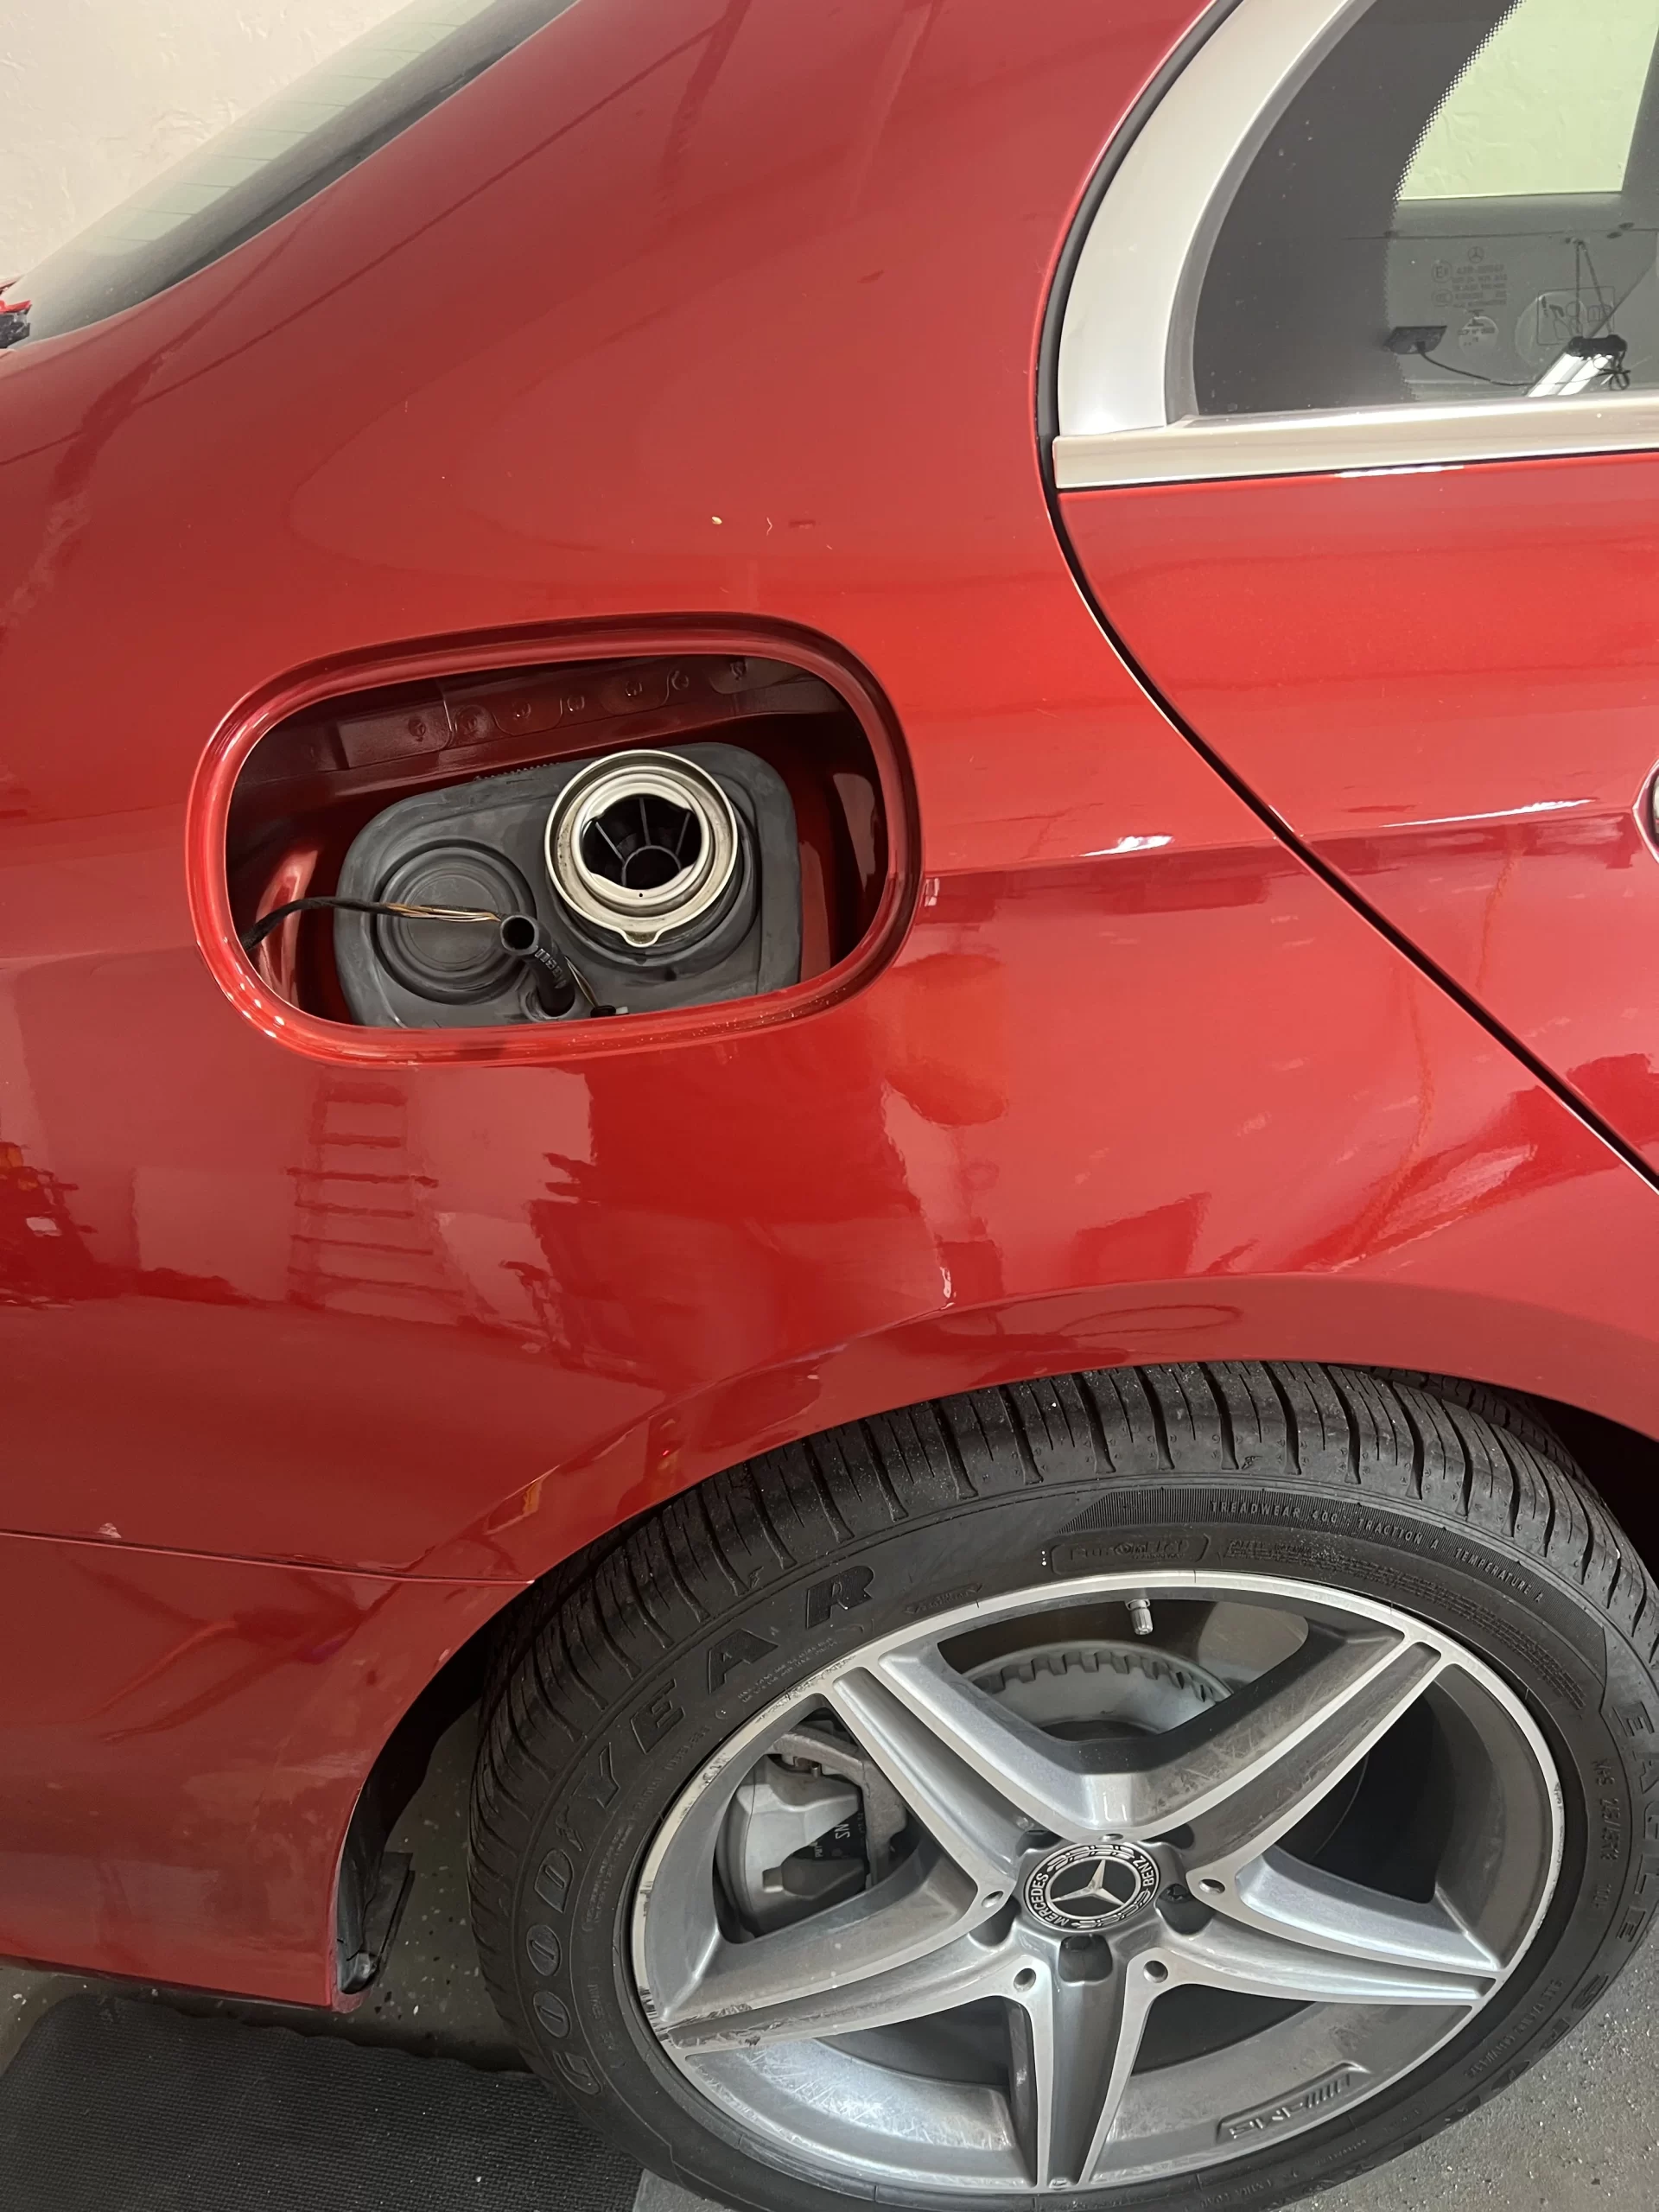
{"type": "Point", "coordinates": [1579, 2134]}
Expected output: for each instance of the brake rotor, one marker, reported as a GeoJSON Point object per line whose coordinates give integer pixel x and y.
{"type": "Point", "coordinates": [1106, 1688]}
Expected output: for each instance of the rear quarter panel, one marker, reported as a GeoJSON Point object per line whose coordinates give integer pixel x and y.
{"type": "Point", "coordinates": [693, 313]}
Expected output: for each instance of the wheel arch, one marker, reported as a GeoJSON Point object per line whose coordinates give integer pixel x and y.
{"type": "Point", "coordinates": [1618, 1458]}
{"type": "Point", "coordinates": [1344, 1319]}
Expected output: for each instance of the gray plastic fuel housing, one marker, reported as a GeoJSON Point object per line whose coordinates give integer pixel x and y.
{"type": "Point", "coordinates": [504, 818]}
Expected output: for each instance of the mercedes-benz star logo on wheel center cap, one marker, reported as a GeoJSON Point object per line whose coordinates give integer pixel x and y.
{"type": "Point", "coordinates": [1092, 1886]}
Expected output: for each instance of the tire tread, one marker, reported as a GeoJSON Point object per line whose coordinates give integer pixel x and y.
{"type": "Point", "coordinates": [579, 1647]}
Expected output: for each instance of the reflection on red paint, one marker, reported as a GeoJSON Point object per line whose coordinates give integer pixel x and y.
{"type": "Point", "coordinates": [348, 1349]}
{"type": "Point", "coordinates": [1445, 684]}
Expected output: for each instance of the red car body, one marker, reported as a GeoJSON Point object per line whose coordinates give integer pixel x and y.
{"type": "Point", "coordinates": [1291, 1011]}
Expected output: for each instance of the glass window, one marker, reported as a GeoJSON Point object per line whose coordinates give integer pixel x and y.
{"type": "Point", "coordinates": [277, 157]}
{"type": "Point", "coordinates": [1461, 203]}
{"type": "Point", "coordinates": [1546, 108]}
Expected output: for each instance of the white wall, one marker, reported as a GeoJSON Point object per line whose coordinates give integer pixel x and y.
{"type": "Point", "coordinates": [98, 95]}
{"type": "Point", "coordinates": [1547, 106]}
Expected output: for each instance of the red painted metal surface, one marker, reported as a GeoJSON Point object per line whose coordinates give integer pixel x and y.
{"type": "Point", "coordinates": [176, 1738]}
{"type": "Point", "coordinates": [752, 305]}
{"type": "Point", "coordinates": [1447, 683]}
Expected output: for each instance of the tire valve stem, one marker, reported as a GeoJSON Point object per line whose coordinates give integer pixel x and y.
{"type": "Point", "coordinates": [1139, 1616]}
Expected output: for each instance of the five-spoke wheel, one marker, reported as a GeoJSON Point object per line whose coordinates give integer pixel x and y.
{"type": "Point", "coordinates": [1158, 1789]}
{"type": "Point", "coordinates": [970, 1997]}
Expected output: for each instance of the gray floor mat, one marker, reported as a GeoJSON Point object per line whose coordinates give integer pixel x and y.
{"type": "Point", "coordinates": [113, 2106]}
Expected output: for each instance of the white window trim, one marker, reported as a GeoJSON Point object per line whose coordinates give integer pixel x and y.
{"type": "Point", "coordinates": [1127, 412]}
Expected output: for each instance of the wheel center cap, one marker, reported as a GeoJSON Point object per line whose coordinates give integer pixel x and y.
{"type": "Point", "coordinates": [1089, 1887]}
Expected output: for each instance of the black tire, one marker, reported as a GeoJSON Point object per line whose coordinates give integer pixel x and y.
{"type": "Point", "coordinates": [1390, 1489]}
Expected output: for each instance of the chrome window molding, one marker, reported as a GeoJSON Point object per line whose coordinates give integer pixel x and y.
{"type": "Point", "coordinates": [1203, 448]}
{"type": "Point", "coordinates": [1126, 405]}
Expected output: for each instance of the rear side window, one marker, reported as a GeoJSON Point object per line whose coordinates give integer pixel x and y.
{"type": "Point", "coordinates": [272, 161]}
{"type": "Point", "coordinates": [1460, 203]}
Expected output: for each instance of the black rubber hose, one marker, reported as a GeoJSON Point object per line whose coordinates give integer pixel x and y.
{"type": "Point", "coordinates": [554, 987]}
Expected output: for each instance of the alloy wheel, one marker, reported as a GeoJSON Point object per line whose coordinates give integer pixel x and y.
{"type": "Point", "coordinates": [1097, 1883]}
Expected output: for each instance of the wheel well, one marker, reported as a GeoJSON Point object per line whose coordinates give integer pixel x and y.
{"type": "Point", "coordinates": [368, 1889]}
{"type": "Point", "coordinates": [1620, 1462]}
{"type": "Point", "coordinates": [467, 1677]}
